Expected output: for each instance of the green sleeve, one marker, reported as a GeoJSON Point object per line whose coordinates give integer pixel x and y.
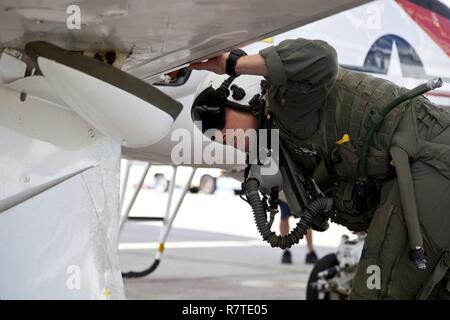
{"type": "Point", "coordinates": [309, 61]}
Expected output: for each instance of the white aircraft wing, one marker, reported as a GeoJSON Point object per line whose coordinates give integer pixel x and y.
{"type": "Point", "coordinates": [156, 35]}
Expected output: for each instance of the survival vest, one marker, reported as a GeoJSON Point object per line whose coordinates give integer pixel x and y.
{"type": "Point", "coordinates": [332, 153]}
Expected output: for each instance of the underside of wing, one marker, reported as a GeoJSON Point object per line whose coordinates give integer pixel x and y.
{"type": "Point", "coordinates": [155, 36]}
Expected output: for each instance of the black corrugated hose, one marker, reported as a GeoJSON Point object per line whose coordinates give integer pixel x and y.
{"type": "Point", "coordinates": [143, 273]}
{"type": "Point", "coordinates": [259, 213]}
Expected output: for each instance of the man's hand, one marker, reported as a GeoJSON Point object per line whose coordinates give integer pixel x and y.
{"type": "Point", "coordinates": [216, 64]}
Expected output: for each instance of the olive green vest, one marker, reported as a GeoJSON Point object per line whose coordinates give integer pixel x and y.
{"type": "Point", "coordinates": [350, 107]}
{"type": "Point", "coordinates": [354, 100]}
{"type": "Point", "coordinates": [351, 104]}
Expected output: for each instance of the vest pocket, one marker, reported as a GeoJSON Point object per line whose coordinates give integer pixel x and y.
{"type": "Point", "coordinates": [345, 158]}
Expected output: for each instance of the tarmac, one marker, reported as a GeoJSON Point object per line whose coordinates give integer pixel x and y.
{"type": "Point", "coordinates": [213, 252]}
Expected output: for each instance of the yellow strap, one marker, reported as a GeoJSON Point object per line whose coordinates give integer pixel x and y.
{"type": "Point", "coordinates": [345, 138]}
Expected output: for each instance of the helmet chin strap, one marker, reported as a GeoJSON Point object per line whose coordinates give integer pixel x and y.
{"type": "Point", "coordinates": [258, 107]}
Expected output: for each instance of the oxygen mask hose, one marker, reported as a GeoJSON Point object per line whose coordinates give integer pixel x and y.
{"type": "Point", "coordinates": [314, 208]}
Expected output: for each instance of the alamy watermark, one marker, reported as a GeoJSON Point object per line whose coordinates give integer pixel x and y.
{"type": "Point", "coordinates": [73, 20]}
{"type": "Point", "coordinates": [73, 281]}
{"type": "Point", "coordinates": [208, 148]}
{"type": "Point", "coordinates": [373, 281]}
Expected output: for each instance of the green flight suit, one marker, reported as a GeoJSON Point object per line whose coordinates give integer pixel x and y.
{"type": "Point", "coordinates": [305, 86]}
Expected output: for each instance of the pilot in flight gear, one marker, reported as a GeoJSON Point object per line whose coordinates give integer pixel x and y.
{"type": "Point", "coordinates": [324, 113]}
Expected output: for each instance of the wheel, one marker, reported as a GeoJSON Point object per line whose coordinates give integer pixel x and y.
{"type": "Point", "coordinates": [161, 184]}
{"type": "Point", "coordinates": [324, 263]}
{"type": "Point", "coordinates": [208, 184]}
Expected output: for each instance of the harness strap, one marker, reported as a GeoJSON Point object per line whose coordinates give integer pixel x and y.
{"type": "Point", "coordinates": [409, 205]}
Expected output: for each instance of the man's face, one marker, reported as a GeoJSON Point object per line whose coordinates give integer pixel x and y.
{"type": "Point", "coordinates": [239, 129]}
